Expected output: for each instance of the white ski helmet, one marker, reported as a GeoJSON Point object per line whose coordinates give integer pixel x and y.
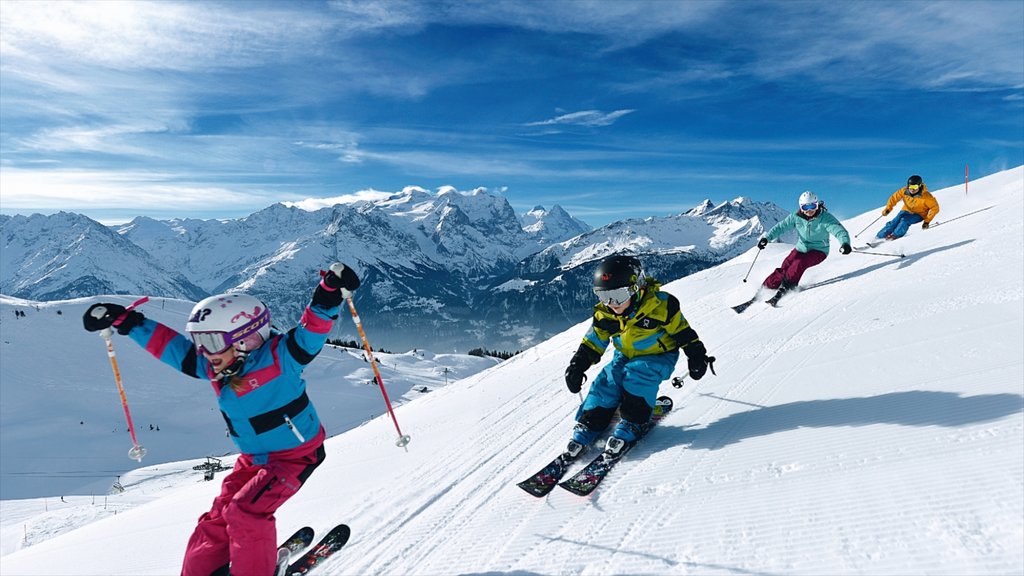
{"type": "Point", "coordinates": [226, 320]}
{"type": "Point", "coordinates": [808, 198]}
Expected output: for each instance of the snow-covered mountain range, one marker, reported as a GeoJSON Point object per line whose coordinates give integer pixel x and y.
{"type": "Point", "coordinates": [442, 270]}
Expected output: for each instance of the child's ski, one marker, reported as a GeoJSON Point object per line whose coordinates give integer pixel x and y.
{"type": "Point", "coordinates": [334, 541]}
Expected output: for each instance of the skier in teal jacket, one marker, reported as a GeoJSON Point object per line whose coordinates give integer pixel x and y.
{"type": "Point", "coordinates": [813, 226]}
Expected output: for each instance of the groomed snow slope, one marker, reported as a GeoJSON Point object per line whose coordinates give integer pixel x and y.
{"type": "Point", "coordinates": [873, 424]}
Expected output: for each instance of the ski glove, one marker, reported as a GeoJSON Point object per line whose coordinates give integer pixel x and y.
{"type": "Point", "coordinates": [575, 374]}
{"type": "Point", "coordinates": [846, 248]}
{"type": "Point", "coordinates": [924, 225]}
{"type": "Point", "coordinates": [337, 284]}
{"type": "Point", "coordinates": [697, 359]}
{"type": "Point", "coordinates": [885, 211]}
{"type": "Point", "coordinates": [102, 316]}
{"type": "Point", "coordinates": [762, 243]}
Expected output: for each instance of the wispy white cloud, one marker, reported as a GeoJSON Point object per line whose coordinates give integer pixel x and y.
{"type": "Point", "coordinates": [584, 118]}
{"type": "Point", "coordinates": [79, 190]}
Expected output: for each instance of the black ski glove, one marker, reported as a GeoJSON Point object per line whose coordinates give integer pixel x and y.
{"type": "Point", "coordinates": [925, 225]}
{"type": "Point", "coordinates": [762, 243]}
{"type": "Point", "coordinates": [337, 284]}
{"type": "Point", "coordinates": [697, 359]}
{"type": "Point", "coordinates": [102, 316]}
{"type": "Point", "coordinates": [846, 248]}
{"type": "Point", "coordinates": [575, 374]}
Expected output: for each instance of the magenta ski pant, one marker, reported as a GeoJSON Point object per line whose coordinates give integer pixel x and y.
{"type": "Point", "coordinates": [240, 527]}
{"type": "Point", "coordinates": [793, 268]}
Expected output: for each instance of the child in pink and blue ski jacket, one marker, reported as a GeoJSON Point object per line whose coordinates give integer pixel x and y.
{"type": "Point", "coordinates": [257, 378]}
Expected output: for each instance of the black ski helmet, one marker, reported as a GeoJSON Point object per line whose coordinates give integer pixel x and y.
{"type": "Point", "coordinates": [914, 180]}
{"type": "Point", "coordinates": [619, 271]}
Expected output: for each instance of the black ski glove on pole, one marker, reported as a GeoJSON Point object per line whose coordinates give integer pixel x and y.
{"type": "Point", "coordinates": [697, 359]}
{"type": "Point", "coordinates": [104, 315]}
{"type": "Point", "coordinates": [846, 248]}
{"type": "Point", "coordinates": [575, 374]}
{"type": "Point", "coordinates": [762, 243]}
{"type": "Point", "coordinates": [337, 284]}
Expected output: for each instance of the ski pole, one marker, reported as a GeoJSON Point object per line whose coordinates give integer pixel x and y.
{"type": "Point", "coordinates": [880, 254]}
{"type": "Point", "coordinates": [136, 452]}
{"type": "Point", "coordinates": [752, 265]}
{"type": "Point", "coordinates": [934, 224]}
{"type": "Point", "coordinates": [403, 439]}
{"type": "Point", "coordinates": [868, 226]}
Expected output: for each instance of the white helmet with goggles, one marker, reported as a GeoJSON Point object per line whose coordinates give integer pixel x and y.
{"type": "Point", "coordinates": [808, 201]}
{"type": "Point", "coordinates": [220, 322]}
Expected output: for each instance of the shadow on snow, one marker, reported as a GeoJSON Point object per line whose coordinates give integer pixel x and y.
{"type": "Point", "coordinates": [911, 408]}
{"type": "Point", "coordinates": [902, 263]}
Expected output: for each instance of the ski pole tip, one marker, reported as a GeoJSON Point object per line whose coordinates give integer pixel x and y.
{"type": "Point", "coordinates": [403, 441]}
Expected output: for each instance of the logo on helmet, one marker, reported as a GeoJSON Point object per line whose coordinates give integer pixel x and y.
{"type": "Point", "coordinates": [255, 314]}
{"type": "Point", "coordinates": [200, 315]}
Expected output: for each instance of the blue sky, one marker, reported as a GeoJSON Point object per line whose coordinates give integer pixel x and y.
{"type": "Point", "coordinates": [611, 109]}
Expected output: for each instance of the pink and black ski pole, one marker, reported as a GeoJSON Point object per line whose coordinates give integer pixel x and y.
{"type": "Point", "coordinates": [137, 451]}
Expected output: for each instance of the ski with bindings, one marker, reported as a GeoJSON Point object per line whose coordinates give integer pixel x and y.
{"type": "Point", "coordinates": [302, 538]}
{"type": "Point", "coordinates": [586, 481]}
{"type": "Point", "coordinates": [328, 545]}
{"type": "Point", "coordinates": [544, 481]}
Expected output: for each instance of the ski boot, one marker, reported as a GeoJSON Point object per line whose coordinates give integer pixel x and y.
{"type": "Point", "coordinates": [774, 300]}
{"type": "Point", "coordinates": [625, 434]}
{"type": "Point", "coordinates": [582, 437]}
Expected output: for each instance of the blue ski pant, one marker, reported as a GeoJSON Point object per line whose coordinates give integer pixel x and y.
{"type": "Point", "coordinates": [899, 225]}
{"type": "Point", "coordinates": [631, 385]}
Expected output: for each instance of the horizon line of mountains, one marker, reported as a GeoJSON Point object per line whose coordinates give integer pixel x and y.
{"type": "Point", "coordinates": [445, 271]}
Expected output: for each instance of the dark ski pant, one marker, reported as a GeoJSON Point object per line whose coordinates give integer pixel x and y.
{"type": "Point", "coordinates": [240, 527]}
{"type": "Point", "coordinates": [793, 268]}
{"type": "Point", "coordinates": [899, 225]}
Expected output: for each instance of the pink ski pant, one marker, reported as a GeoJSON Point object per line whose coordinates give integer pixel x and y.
{"type": "Point", "coordinates": [793, 268]}
{"type": "Point", "coordinates": [240, 527]}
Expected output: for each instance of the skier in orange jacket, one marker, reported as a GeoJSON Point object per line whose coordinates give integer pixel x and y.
{"type": "Point", "coordinates": [918, 206]}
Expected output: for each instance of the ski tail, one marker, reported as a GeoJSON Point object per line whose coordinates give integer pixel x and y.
{"type": "Point", "coordinates": [739, 308]}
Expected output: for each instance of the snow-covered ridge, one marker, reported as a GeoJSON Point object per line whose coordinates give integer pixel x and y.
{"type": "Point", "coordinates": [451, 249]}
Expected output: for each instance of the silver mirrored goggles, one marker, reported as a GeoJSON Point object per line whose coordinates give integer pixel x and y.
{"type": "Point", "coordinates": [614, 296]}
{"type": "Point", "coordinates": [211, 342]}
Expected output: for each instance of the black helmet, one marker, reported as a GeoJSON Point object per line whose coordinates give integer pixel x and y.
{"type": "Point", "coordinates": [618, 272]}
{"type": "Point", "coordinates": [617, 279]}
{"type": "Point", "coordinates": [914, 180]}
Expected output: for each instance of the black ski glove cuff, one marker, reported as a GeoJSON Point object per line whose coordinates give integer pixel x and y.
{"type": "Point", "coordinates": [131, 320]}
{"type": "Point", "coordinates": [327, 298]}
